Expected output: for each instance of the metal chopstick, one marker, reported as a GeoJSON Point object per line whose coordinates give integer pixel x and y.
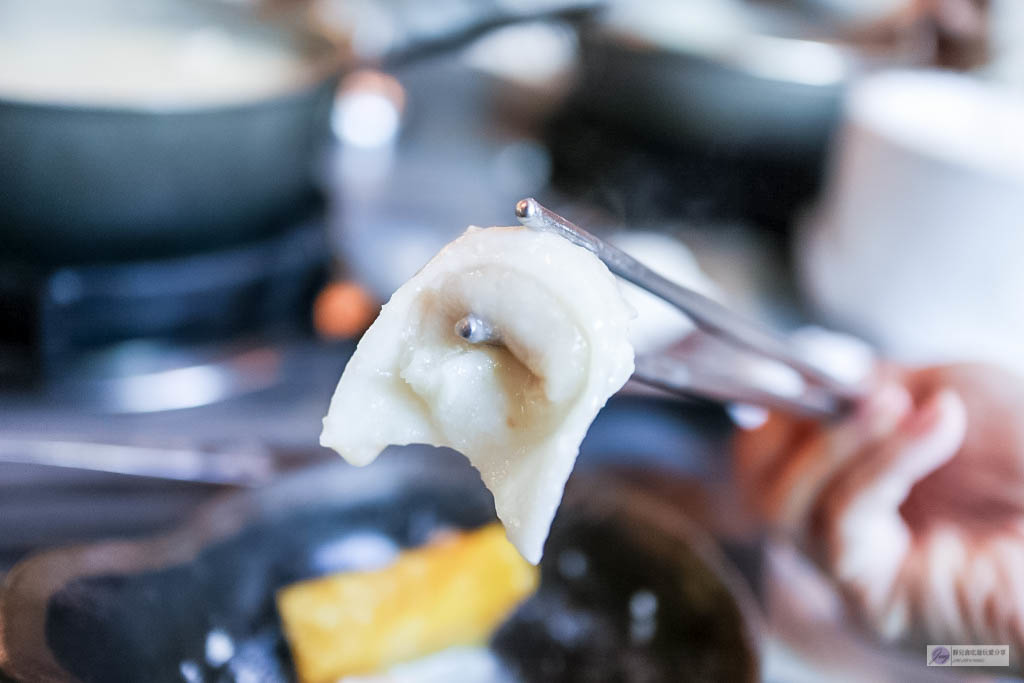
{"type": "Point", "coordinates": [832, 395]}
{"type": "Point", "coordinates": [676, 376]}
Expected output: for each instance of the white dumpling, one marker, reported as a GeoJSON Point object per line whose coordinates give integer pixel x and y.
{"type": "Point", "coordinates": [517, 410]}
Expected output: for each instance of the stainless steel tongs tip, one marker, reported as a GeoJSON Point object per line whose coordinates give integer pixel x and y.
{"type": "Point", "coordinates": [527, 208]}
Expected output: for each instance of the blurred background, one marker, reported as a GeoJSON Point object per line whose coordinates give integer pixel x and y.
{"type": "Point", "coordinates": [204, 203]}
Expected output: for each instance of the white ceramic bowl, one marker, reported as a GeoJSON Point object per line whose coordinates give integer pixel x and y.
{"type": "Point", "coordinates": [918, 242]}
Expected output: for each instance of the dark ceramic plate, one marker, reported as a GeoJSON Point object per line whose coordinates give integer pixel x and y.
{"type": "Point", "coordinates": [145, 610]}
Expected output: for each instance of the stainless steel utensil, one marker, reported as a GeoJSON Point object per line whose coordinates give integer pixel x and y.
{"type": "Point", "coordinates": [821, 394]}
{"type": "Point", "coordinates": [247, 467]}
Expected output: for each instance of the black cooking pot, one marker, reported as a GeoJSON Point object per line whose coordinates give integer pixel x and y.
{"type": "Point", "coordinates": [87, 182]}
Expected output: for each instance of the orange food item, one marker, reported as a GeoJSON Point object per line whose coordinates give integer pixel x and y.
{"type": "Point", "coordinates": [343, 310]}
{"type": "Point", "coordinates": [452, 592]}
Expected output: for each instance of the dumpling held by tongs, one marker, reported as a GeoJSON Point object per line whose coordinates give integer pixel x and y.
{"type": "Point", "coordinates": [517, 406]}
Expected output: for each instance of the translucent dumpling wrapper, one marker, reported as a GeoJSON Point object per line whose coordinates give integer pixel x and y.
{"type": "Point", "coordinates": [517, 409]}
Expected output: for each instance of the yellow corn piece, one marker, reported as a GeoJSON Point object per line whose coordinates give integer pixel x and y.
{"type": "Point", "coordinates": [453, 592]}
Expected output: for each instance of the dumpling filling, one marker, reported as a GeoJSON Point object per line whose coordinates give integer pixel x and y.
{"type": "Point", "coordinates": [517, 407]}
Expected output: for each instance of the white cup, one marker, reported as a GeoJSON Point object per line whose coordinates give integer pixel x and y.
{"type": "Point", "coordinates": [918, 242]}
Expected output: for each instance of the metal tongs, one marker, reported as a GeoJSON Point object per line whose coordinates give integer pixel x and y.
{"type": "Point", "coordinates": [820, 395]}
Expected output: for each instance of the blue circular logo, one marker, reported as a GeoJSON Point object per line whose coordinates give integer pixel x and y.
{"type": "Point", "coordinates": [940, 655]}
